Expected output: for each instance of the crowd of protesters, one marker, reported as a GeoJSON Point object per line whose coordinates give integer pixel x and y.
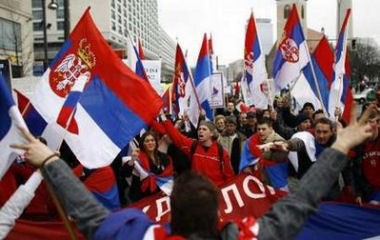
{"type": "Point", "coordinates": [276, 145]}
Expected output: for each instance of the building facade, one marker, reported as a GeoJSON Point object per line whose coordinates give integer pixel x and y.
{"type": "Point", "coordinates": [116, 19]}
{"type": "Point", "coordinates": [265, 31]}
{"type": "Point", "coordinates": [283, 10]}
{"type": "Point", "coordinates": [16, 36]}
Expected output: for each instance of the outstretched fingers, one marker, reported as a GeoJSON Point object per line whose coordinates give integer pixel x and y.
{"type": "Point", "coordinates": [371, 110]}
{"type": "Point", "coordinates": [27, 135]}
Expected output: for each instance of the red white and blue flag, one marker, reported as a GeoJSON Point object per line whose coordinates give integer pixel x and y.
{"type": "Point", "coordinates": [254, 85]}
{"type": "Point", "coordinates": [10, 121]}
{"type": "Point", "coordinates": [93, 95]}
{"type": "Point", "coordinates": [202, 82]}
{"type": "Point", "coordinates": [292, 53]}
{"type": "Point", "coordinates": [340, 84]}
{"type": "Point", "coordinates": [306, 88]}
{"type": "Point", "coordinates": [182, 86]}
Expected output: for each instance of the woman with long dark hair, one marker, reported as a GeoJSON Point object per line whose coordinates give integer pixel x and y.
{"type": "Point", "coordinates": [148, 167]}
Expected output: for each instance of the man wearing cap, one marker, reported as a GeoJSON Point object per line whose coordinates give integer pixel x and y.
{"type": "Point", "coordinates": [206, 154]}
{"type": "Point", "coordinates": [233, 142]}
{"type": "Point", "coordinates": [250, 127]}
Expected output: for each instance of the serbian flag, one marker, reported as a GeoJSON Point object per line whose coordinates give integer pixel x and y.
{"type": "Point", "coordinates": [250, 154]}
{"type": "Point", "coordinates": [314, 87]}
{"type": "Point", "coordinates": [337, 221]}
{"type": "Point", "coordinates": [292, 54]}
{"type": "Point", "coordinates": [111, 103]}
{"type": "Point", "coordinates": [37, 125]}
{"type": "Point", "coordinates": [101, 183]}
{"type": "Point", "coordinates": [254, 86]}
{"type": "Point", "coordinates": [212, 54]}
{"type": "Point", "coordinates": [349, 99]}
{"type": "Point", "coordinates": [202, 82]}
{"type": "Point", "coordinates": [33, 119]}
{"type": "Point", "coordinates": [10, 120]}
{"type": "Point", "coordinates": [340, 85]}
{"type": "Point", "coordinates": [182, 86]}
{"type": "Point", "coordinates": [140, 70]}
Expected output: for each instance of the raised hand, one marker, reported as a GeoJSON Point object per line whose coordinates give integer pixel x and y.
{"type": "Point", "coordinates": [35, 151]}
{"type": "Point", "coordinates": [355, 133]}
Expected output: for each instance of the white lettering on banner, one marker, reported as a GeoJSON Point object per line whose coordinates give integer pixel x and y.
{"type": "Point", "coordinates": [146, 209]}
{"type": "Point", "coordinates": [227, 199]}
{"type": "Point", "coordinates": [258, 183]}
{"type": "Point", "coordinates": [161, 211]}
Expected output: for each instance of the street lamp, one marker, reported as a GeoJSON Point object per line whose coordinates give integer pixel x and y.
{"type": "Point", "coordinates": [52, 5]}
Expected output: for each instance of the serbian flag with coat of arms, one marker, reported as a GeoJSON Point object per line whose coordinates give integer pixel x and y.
{"type": "Point", "coordinates": [292, 54]}
{"type": "Point", "coordinates": [98, 103]}
{"type": "Point", "coordinates": [254, 86]}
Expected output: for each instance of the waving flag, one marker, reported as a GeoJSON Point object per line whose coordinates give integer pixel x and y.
{"type": "Point", "coordinates": [202, 82]}
{"type": "Point", "coordinates": [305, 89]}
{"type": "Point", "coordinates": [140, 70]}
{"type": "Point", "coordinates": [10, 120]}
{"type": "Point", "coordinates": [348, 99]}
{"type": "Point", "coordinates": [340, 85]}
{"type": "Point", "coordinates": [182, 86]}
{"type": "Point", "coordinates": [292, 53]}
{"type": "Point", "coordinates": [254, 86]}
{"type": "Point", "coordinates": [212, 54]}
{"type": "Point", "coordinates": [141, 51]}
{"type": "Point", "coordinates": [111, 103]}
{"type": "Point", "coordinates": [33, 119]}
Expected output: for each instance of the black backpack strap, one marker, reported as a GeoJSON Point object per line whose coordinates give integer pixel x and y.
{"type": "Point", "coordinates": [193, 146]}
{"type": "Point", "coordinates": [220, 154]}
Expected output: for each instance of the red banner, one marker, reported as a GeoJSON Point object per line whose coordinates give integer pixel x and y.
{"type": "Point", "coordinates": [243, 196]}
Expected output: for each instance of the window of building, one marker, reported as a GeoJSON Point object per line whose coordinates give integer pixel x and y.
{"type": "Point", "coordinates": [302, 12]}
{"type": "Point", "coordinates": [60, 13]}
{"type": "Point", "coordinates": [113, 3]}
{"type": "Point", "coordinates": [119, 19]}
{"type": "Point", "coordinates": [10, 35]}
{"type": "Point", "coordinates": [286, 11]}
{"type": "Point", "coordinates": [36, 4]}
{"type": "Point", "coordinates": [37, 26]}
{"type": "Point", "coordinates": [113, 26]}
{"type": "Point", "coordinates": [113, 14]}
{"type": "Point", "coordinates": [60, 25]}
{"type": "Point", "coordinates": [37, 14]}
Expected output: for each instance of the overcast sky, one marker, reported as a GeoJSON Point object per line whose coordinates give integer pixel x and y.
{"type": "Point", "coordinates": [187, 20]}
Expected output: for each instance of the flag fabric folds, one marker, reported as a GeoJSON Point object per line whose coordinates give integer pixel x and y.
{"type": "Point", "coordinates": [292, 53]}
{"type": "Point", "coordinates": [182, 86]}
{"type": "Point", "coordinates": [337, 221]}
{"type": "Point", "coordinates": [305, 89]}
{"type": "Point", "coordinates": [202, 82]}
{"type": "Point", "coordinates": [340, 84]}
{"type": "Point", "coordinates": [111, 103]}
{"type": "Point", "coordinates": [255, 87]}
{"type": "Point", "coordinates": [10, 120]}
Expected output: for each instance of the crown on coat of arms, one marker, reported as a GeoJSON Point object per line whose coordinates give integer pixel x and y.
{"type": "Point", "coordinates": [85, 54]}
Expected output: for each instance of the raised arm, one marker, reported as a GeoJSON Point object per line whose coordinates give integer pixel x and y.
{"type": "Point", "coordinates": [77, 201]}
{"type": "Point", "coordinates": [288, 215]}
